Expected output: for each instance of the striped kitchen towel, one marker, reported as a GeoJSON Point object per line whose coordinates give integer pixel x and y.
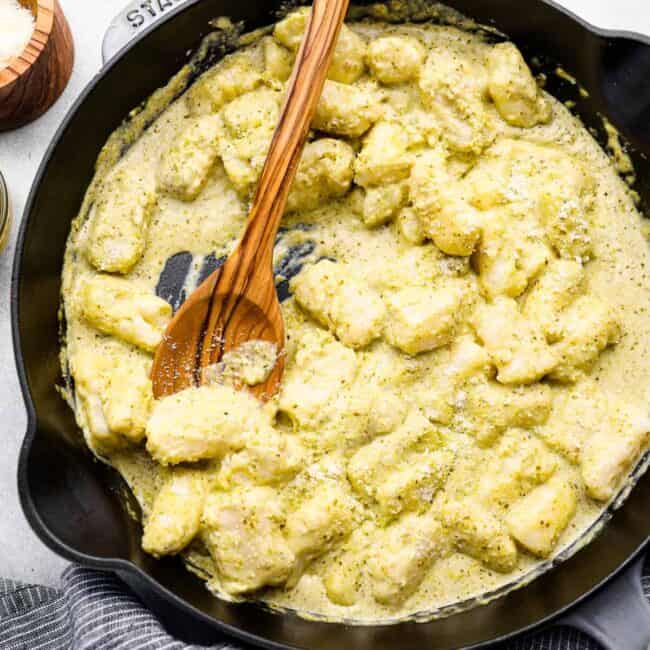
{"type": "Point", "coordinates": [96, 611]}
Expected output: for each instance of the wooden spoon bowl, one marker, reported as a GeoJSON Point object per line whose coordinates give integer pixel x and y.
{"type": "Point", "coordinates": [177, 364]}
{"type": "Point", "coordinates": [35, 79]}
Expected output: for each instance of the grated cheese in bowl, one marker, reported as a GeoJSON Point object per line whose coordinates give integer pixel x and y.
{"type": "Point", "coordinates": [16, 28]}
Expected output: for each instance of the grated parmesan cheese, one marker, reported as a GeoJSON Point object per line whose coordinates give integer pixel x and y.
{"type": "Point", "coordinates": [16, 28]}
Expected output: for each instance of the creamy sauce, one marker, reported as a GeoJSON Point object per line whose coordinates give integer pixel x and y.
{"type": "Point", "coordinates": [446, 421]}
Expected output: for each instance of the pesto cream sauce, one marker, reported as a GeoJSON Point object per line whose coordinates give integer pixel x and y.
{"type": "Point", "coordinates": [617, 273]}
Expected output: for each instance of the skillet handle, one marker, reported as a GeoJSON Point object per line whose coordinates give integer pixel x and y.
{"type": "Point", "coordinates": [132, 20]}
{"type": "Point", "coordinates": [618, 616]}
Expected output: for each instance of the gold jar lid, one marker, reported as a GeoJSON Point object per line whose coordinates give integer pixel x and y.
{"type": "Point", "coordinates": [4, 213]}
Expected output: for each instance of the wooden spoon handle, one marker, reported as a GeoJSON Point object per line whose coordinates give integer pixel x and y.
{"type": "Point", "coordinates": [243, 293]}
{"type": "Point", "coordinates": [304, 91]}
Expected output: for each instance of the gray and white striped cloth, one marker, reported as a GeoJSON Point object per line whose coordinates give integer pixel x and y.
{"type": "Point", "coordinates": [96, 611]}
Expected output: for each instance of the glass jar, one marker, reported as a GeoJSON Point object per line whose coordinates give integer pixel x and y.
{"type": "Point", "coordinates": [5, 219]}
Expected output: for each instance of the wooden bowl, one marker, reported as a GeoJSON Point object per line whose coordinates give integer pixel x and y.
{"type": "Point", "coordinates": [35, 79]}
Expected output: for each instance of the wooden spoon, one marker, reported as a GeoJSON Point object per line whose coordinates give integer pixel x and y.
{"type": "Point", "coordinates": [239, 302]}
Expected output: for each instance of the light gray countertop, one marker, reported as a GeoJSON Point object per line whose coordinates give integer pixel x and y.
{"type": "Point", "coordinates": [23, 556]}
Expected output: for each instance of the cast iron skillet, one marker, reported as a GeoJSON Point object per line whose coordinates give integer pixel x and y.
{"type": "Point", "coordinates": [75, 504]}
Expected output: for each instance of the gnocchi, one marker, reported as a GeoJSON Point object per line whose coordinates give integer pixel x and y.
{"type": "Point", "coordinates": [396, 59]}
{"type": "Point", "coordinates": [248, 128]}
{"type": "Point", "coordinates": [325, 173]}
{"type": "Point", "coordinates": [383, 158]}
{"type": "Point", "coordinates": [220, 420]}
{"type": "Point", "coordinates": [244, 535]}
{"type": "Point", "coordinates": [479, 533]}
{"type": "Point", "coordinates": [116, 306]}
{"type": "Point", "coordinates": [175, 518]}
{"type": "Point", "coordinates": [407, 549]}
{"type": "Point", "coordinates": [115, 397]}
{"type": "Point", "coordinates": [185, 166]}
{"type": "Point", "coordinates": [537, 520]}
{"type": "Point", "coordinates": [345, 110]}
{"type": "Point", "coordinates": [513, 88]}
{"type": "Point", "coordinates": [349, 307]}
{"type": "Point", "coordinates": [238, 74]}
{"type": "Point", "coordinates": [348, 59]}
{"type": "Point", "coordinates": [118, 221]}
{"type": "Point", "coordinates": [420, 320]}
{"type": "Point", "coordinates": [516, 344]}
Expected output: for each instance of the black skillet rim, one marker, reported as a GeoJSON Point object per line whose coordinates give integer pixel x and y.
{"type": "Point", "coordinates": [119, 565]}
